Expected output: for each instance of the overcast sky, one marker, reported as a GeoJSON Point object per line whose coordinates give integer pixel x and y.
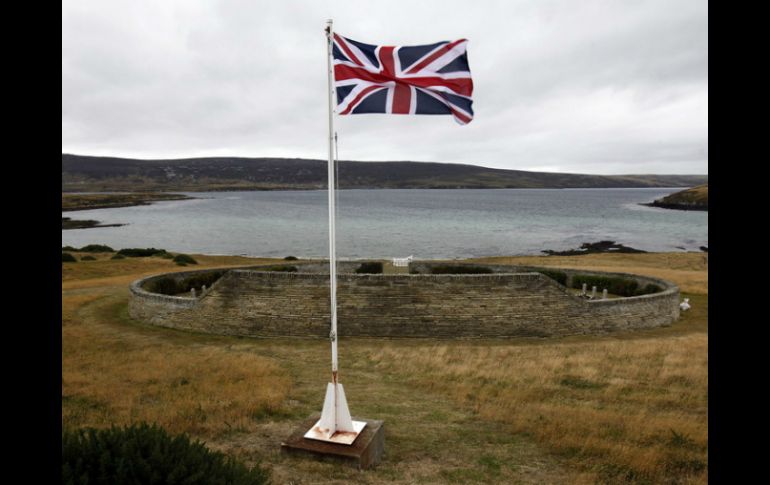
{"type": "Point", "coordinates": [600, 87]}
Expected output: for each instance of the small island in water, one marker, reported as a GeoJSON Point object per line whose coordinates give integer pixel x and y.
{"type": "Point", "coordinates": [693, 199]}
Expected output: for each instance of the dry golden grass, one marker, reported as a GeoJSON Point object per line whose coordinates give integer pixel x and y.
{"type": "Point", "coordinates": [631, 407]}
{"type": "Point", "coordinates": [615, 409]}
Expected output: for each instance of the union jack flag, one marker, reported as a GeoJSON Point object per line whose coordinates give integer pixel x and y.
{"type": "Point", "coordinates": [422, 79]}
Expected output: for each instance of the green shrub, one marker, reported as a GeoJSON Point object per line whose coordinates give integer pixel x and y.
{"type": "Point", "coordinates": [169, 285]}
{"type": "Point", "coordinates": [88, 258]}
{"type": "Point", "coordinates": [197, 281]}
{"type": "Point", "coordinates": [649, 288]}
{"type": "Point", "coordinates": [290, 258]}
{"type": "Point", "coordinates": [69, 248]}
{"type": "Point", "coordinates": [141, 252]}
{"type": "Point", "coordinates": [184, 258]}
{"type": "Point", "coordinates": [615, 285]}
{"type": "Point", "coordinates": [372, 267]}
{"type": "Point", "coordinates": [460, 269]}
{"type": "Point", "coordinates": [68, 258]}
{"type": "Point", "coordinates": [166, 255]}
{"type": "Point", "coordinates": [148, 455]}
{"type": "Point", "coordinates": [558, 276]}
{"type": "Point", "coordinates": [165, 286]}
{"type": "Point", "coordinates": [118, 256]}
{"type": "Point", "coordinates": [96, 248]}
{"type": "Point", "coordinates": [285, 269]}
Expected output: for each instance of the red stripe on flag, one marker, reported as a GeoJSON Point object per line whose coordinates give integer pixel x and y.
{"type": "Point", "coordinates": [434, 56]}
{"type": "Point", "coordinates": [461, 116]}
{"type": "Point", "coordinates": [386, 60]}
{"type": "Point", "coordinates": [358, 98]}
{"type": "Point", "coordinates": [462, 86]}
{"type": "Point", "coordinates": [402, 97]}
{"type": "Point", "coordinates": [344, 46]}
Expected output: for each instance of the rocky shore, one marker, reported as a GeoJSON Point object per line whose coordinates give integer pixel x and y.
{"type": "Point", "coordinates": [593, 248]}
{"type": "Point", "coordinates": [694, 199]}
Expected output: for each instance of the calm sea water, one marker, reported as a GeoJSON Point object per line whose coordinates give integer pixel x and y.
{"type": "Point", "coordinates": [396, 223]}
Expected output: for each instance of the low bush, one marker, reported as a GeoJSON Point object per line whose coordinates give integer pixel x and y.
{"type": "Point", "coordinates": [460, 269]}
{"type": "Point", "coordinates": [118, 256]}
{"type": "Point", "coordinates": [649, 288]}
{"type": "Point", "coordinates": [615, 285]}
{"type": "Point", "coordinates": [146, 454]}
{"type": "Point", "coordinates": [558, 276]}
{"type": "Point", "coordinates": [197, 281]}
{"type": "Point", "coordinates": [69, 248]}
{"type": "Point", "coordinates": [290, 258]}
{"type": "Point", "coordinates": [96, 248]}
{"type": "Point", "coordinates": [372, 267]}
{"type": "Point", "coordinates": [169, 285]}
{"type": "Point", "coordinates": [68, 258]}
{"type": "Point", "coordinates": [184, 258]}
{"type": "Point", "coordinates": [88, 258]}
{"type": "Point", "coordinates": [141, 252]}
{"type": "Point", "coordinates": [165, 286]}
{"type": "Point", "coordinates": [285, 269]}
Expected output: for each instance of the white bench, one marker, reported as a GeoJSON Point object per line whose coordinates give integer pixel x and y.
{"type": "Point", "coordinates": [402, 261]}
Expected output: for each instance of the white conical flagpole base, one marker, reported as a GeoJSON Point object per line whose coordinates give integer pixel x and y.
{"type": "Point", "coordinates": [336, 425]}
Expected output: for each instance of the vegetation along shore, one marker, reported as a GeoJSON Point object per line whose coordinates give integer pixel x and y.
{"type": "Point", "coordinates": [629, 408]}
{"type": "Point", "coordinates": [76, 202]}
{"type": "Point", "coordinates": [693, 199]}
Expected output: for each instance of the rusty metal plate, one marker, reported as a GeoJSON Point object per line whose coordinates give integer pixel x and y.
{"type": "Point", "coordinates": [339, 437]}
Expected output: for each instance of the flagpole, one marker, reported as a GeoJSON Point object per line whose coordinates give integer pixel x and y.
{"type": "Point", "coordinates": [335, 424]}
{"type": "Point", "coordinates": [332, 229]}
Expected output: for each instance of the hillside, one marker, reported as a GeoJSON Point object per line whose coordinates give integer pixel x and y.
{"type": "Point", "coordinates": [99, 174]}
{"type": "Point", "coordinates": [695, 198]}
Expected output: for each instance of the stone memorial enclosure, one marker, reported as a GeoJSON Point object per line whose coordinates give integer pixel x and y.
{"type": "Point", "coordinates": [501, 301]}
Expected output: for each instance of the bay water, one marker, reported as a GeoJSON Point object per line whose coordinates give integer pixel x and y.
{"type": "Point", "coordinates": [387, 223]}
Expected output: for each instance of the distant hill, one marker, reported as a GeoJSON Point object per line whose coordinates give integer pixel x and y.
{"type": "Point", "coordinates": [99, 174]}
{"type": "Point", "coordinates": [695, 198]}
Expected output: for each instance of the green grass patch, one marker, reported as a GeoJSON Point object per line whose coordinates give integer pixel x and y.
{"type": "Point", "coordinates": [575, 382]}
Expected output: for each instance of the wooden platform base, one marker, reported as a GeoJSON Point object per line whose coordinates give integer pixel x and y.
{"type": "Point", "coordinates": [365, 452]}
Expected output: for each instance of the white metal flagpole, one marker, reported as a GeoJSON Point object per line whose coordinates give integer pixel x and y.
{"type": "Point", "coordinates": [332, 230]}
{"type": "Point", "coordinates": [335, 424]}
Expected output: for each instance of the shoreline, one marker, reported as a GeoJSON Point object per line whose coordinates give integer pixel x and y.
{"type": "Point", "coordinates": [683, 207]}
{"type": "Point", "coordinates": [75, 202]}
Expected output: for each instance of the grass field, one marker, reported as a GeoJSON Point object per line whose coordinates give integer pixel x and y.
{"type": "Point", "coordinates": [630, 408]}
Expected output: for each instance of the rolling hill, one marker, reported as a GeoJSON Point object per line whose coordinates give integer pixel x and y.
{"type": "Point", "coordinates": [101, 174]}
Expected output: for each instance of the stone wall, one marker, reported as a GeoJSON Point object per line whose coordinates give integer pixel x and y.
{"type": "Point", "coordinates": [255, 303]}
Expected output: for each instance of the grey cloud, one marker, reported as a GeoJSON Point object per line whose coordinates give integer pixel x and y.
{"type": "Point", "coordinates": [589, 87]}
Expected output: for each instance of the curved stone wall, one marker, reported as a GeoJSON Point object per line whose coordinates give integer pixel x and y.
{"type": "Point", "coordinates": [512, 302]}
